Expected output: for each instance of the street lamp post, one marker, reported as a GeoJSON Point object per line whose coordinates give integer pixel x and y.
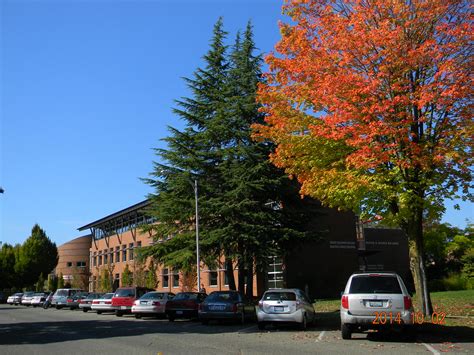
{"type": "Point", "coordinates": [198, 262]}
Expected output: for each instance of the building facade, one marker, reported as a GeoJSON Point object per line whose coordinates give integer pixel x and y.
{"type": "Point", "coordinates": [320, 266]}
{"type": "Point", "coordinates": [73, 261]}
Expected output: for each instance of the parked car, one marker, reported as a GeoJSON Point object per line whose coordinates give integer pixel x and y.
{"type": "Point", "coordinates": [26, 298]}
{"type": "Point", "coordinates": [59, 299]}
{"type": "Point", "coordinates": [285, 306]}
{"type": "Point", "coordinates": [39, 298]}
{"type": "Point", "coordinates": [184, 305]}
{"type": "Point", "coordinates": [152, 304]}
{"type": "Point", "coordinates": [86, 303]}
{"type": "Point", "coordinates": [224, 305]}
{"type": "Point", "coordinates": [103, 304]}
{"type": "Point", "coordinates": [372, 298]}
{"type": "Point", "coordinates": [15, 299]}
{"type": "Point", "coordinates": [124, 298]}
{"type": "Point", "coordinates": [73, 301]}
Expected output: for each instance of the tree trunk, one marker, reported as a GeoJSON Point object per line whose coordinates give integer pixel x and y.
{"type": "Point", "coordinates": [229, 270]}
{"type": "Point", "coordinates": [249, 288]}
{"type": "Point", "coordinates": [241, 274]}
{"type": "Point", "coordinates": [417, 264]}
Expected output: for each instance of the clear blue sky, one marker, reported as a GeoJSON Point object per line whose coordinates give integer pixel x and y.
{"type": "Point", "coordinates": [87, 89]}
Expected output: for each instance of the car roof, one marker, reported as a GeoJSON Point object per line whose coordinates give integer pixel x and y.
{"type": "Point", "coordinates": [375, 273]}
{"type": "Point", "coordinates": [283, 290]}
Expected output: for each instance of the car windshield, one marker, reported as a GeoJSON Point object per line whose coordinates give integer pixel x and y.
{"type": "Point", "coordinates": [223, 296]}
{"type": "Point", "coordinates": [280, 296]}
{"type": "Point", "coordinates": [61, 293]}
{"type": "Point", "coordinates": [154, 295]}
{"type": "Point", "coordinates": [38, 294]}
{"type": "Point", "coordinates": [375, 284]}
{"type": "Point", "coordinates": [125, 292]}
{"type": "Point", "coordinates": [185, 296]}
{"type": "Point", "coordinates": [108, 296]}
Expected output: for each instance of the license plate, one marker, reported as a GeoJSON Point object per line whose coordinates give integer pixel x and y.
{"type": "Point", "coordinates": [376, 304]}
{"type": "Point", "coordinates": [143, 302]}
{"type": "Point", "coordinates": [179, 312]}
{"type": "Point", "coordinates": [123, 307]}
{"type": "Point", "coordinates": [278, 308]}
{"type": "Point", "coordinates": [216, 308]}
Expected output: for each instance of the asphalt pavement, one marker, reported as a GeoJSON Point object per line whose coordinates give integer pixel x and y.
{"type": "Point", "coordinates": [27, 330]}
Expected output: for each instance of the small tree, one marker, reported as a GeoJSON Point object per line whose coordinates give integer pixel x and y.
{"type": "Point", "coordinates": [52, 283]}
{"type": "Point", "coordinates": [60, 280]}
{"type": "Point", "coordinates": [40, 283]}
{"type": "Point", "coordinates": [126, 277]}
{"type": "Point", "coordinates": [105, 282]}
{"type": "Point", "coordinates": [151, 277]}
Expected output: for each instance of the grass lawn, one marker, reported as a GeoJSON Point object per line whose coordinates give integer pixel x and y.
{"type": "Point", "coordinates": [452, 303]}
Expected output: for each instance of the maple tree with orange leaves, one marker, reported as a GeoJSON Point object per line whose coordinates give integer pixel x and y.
{"type": "Point", "coordinates": [370, 105]}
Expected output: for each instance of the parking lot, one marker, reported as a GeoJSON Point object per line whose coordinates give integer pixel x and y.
{"type": "Point", "coordinates": [38, 331]}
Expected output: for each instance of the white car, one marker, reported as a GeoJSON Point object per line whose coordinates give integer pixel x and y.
{"type": "Point", "coordinates": [151, 304]}
{"type": "Point", "coordinates": [39, 298]}
{"type": "Point", "coordinates": [285, 306]}
{"type": "Point", "coordinates": [15, 299]}
{"type": "Point", "coordinates": [374, 301]}
{"type": "Point", "coordinates": [103, 304]}
{"type": "Point", "coordinates": [26, 298]}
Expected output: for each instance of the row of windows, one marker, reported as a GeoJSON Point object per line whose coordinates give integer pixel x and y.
{"type": "Point", "coordinates": [109, 256]}
{"type": "Point", "coordinates": [78, 264]}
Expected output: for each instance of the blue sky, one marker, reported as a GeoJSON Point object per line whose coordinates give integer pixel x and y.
{"type": "Point", "coordinates": [87, 89]}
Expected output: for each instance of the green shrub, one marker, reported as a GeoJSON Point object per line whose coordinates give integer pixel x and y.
{"type": "Point", "coordinates": [453, 282]}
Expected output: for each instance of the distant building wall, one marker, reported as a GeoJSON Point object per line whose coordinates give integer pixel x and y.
{"type": "Point", "coordinates": [74, 259]}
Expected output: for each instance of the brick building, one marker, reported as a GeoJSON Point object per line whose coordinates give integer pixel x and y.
{"type": "Point", "coordinates": [73, 261]}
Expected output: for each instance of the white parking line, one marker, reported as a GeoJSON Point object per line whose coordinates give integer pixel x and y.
{"type": "Point", "coordinates": [320, 336]}
{"type": "Point", "coordinates": [430, 348]}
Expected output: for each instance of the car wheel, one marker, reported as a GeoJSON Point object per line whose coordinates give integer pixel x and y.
{"type": "Point", "coordinates": [138, 316]}
{"type": "Point", "coordinates": [304, 323]}
{"type": "Point", "coordinates": [84, 310]}
{"type": "Point", "coordinates": [118, 313]}
{"type": "Point", "coordinates": [261, 325]}
{"type": "Point", "coordinates": [171, 317]}
{"type": "Point", "coordinates": [99, 312]}
{"type": "Point", "coordinates": [346, 331]}
{"type": "Point", "coordinates": [58, 307]}
{"type": "Point", "coordinates": [34, 306]}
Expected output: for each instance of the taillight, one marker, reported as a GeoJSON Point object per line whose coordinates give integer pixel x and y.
{"type": "Point", "coordinates": [407, 302]}
{"type": "Point", "coordinates": [345, 302]}
{"type": "Point", "coordinates": [95, 302]}
{"type": "Point", "coordinates": [69, 300]}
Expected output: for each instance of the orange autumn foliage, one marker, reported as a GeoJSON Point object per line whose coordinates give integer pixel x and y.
{"type": "Point", "coordinates": [369, 101]}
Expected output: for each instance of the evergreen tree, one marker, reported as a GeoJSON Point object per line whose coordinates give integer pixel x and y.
{"type": "Point", "coordinates": [37, 255]}
{"type": "Point", "coordinates": [52, 283]}
{"type": "Point", "coordinates": [236, 181]}
{"type": "Point", "coordinates": [40, 283]}
{"type": "Point", "coordinates": [7, 266]}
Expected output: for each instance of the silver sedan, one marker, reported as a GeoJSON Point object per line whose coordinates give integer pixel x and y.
{"type": "Point", "coordinates": [151, 303]}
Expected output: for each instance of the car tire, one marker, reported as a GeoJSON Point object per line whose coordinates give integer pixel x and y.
{"type": "Point", "coordinates": [118, 313]}
{"type": "Point", "coordinates": [261, 325]}
{"type": "Point", "coordinates": [304, 323]}
{"type": "Point", "coordinates": [346, 331]}
{"type": "Point", "coordinates": [58, 307]}
{"type": "Point", "coordinates": [34, 306]}
{"type": "Point", "coordinates": [138, 316]}
{"type": "Point", "coordinates": [99, 312]}
{"type": "Point", "coordinates": [84, 310]}
{"type": "Point", "coordinates": [171, 317]}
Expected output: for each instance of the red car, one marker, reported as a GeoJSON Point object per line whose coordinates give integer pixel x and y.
{"type": "Point", "coordinates": [124, 297]}
{"type": "Point", "coordinates": [184, 305]}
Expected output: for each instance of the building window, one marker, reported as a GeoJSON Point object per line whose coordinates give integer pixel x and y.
{"type": "Point", "coordinates": [124, 253]}
{"type": "Point", "coordinates": [111, 255]}
{"type": "Point", "coordinates": [106, 257]}
{"type": "Point", "coordinates": [94, 259]}
{"type": "Point", "coordinates": [212, 278]}
{"type": "Point", "coordinates": [175, 278]}
{"type": "Point", "coordinates": [165, 278]}
{"type": "Point", "coordinates": [117, 254]}
{"type": "Point", "coordinates": [139, 244]}
{"type": "Point", "coordinates": [130, 251]}
{"type": "Point", "coordinates": [81, 264]}
{"type": "Point", "coordinates": [69, 264]}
